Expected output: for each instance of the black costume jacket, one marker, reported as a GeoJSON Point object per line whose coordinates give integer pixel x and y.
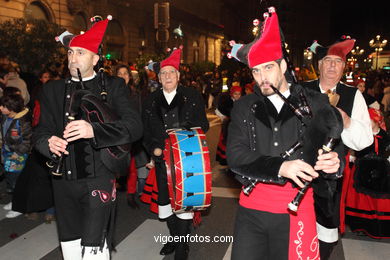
{"type": "Point", "coordinates": [186, 110]}
{"type": "Point", "coordinates": [258, 134]}
{"type": "Point", "coordinates": [85, 154]}
{"type": "Point", "coordinates": [347, 94]}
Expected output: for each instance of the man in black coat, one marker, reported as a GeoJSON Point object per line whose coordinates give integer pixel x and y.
{"type": "Point", "coordinates": [356, 135]}
{"type": "Point", "coordinates": [85, 192]}
{"type": "Point", "coordinates": [173, 106]}
{"type": "Point", "coordinates": [262, 128]}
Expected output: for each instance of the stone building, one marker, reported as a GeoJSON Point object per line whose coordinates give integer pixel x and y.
{"type": "Point", "coordinates": [132, 31]}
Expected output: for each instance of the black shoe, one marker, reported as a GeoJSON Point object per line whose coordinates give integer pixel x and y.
{"type": "Point", "coordinates": [131, 201]}
{"type": "Point", "coordinates": [167, 249]}
{"type": "Point", "coordinates": [181, 251]}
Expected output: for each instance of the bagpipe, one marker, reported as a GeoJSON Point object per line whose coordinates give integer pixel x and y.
{"type": "Point", "coordinates": [87, 106]}
{"type": "Point", "coordinates": [321, 130]}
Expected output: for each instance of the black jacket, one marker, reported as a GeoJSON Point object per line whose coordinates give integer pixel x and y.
{"type": "Point", "coordinates": [19, 142]}
{"type": "Point", "coordinates": [82, 152]}
{"type": "Point", "coordinates": [258, 135]}
{"type": "Point", "coordinates": [188, 104]}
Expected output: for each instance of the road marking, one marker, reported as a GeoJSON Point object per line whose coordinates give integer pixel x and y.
{"type": "Point", "coordinates": [34, 244]}
{"type": "Point", "coordinates": [228, 253]}
{"type": "Point", "coordinates": [365, 250]}
{"type": "Point", "coordinates": [141, 243]}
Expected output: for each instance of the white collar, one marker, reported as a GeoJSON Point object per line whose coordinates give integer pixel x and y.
{"type": "Point", "coordinates": [323, 91]}
{"type": "Point", "coordinates": [278, 101]}
{"type": "Point", "coordinates": [169, 96]}
{"type": "Point", "coordinates": [85, 79]}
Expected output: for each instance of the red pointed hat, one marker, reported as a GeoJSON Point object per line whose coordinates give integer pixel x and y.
{"type": "Point", "coordinates": [341, 48]}
{"type": "Point", "coordinates": [89, 40]}
{"type": "Point", "coordinates": [173, 60]}
{"type": "Point", "coordinates": [266, 47]}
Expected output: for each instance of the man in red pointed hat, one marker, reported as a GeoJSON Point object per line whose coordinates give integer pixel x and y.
{"type": "Point", "coordinates": [171, 107]}
{"type": "Point", "coordinates": [357, 133]}
{"type": "Point", "coordinates": [274, 150]}
{"type": "Point", "coordinates": [84, 185]}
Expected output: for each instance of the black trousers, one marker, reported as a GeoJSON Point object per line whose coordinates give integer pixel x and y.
{"type": "Point", "coordinates": [260, 235]}
{"type": "Point", "coordinates": [84, 209]}
{"type": "Point", "coordinates": [162, 183]}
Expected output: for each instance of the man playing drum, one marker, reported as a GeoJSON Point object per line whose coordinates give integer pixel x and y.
{"type": "Point", "coordinates": [172, 107]}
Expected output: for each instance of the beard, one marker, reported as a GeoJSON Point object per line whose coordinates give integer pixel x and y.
{"type": "Point", "coordinates": [266, 90]}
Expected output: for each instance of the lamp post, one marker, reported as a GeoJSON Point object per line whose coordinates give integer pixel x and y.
{"type": "Point", "coordinates": [367, 62]}
{"type": "Point", "coordinates": [308, 55]}
{"type": "Point", "coordinates": [378, 45]}
{"type": "Point", "coordinates": [356, 52]}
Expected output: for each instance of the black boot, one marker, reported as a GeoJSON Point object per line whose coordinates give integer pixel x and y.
{"type": "Point", "coordinates": [183, 229]}
{"type": "Point", "coordinates": [326, 249]}
{"type": "Point", "coordinates": [131, 201]}
{"type": "Point", "coordinates": [169, 247]}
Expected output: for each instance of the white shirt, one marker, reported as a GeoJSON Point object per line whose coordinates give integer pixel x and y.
{"type": "Point", "coordinates": [169, 96]}
{"type": "Point", "coordinates": [278, 101]}
{"type": "Point", "coordinates": [85, 79]}
{"type": "Point", "coordinates": [359, 134]}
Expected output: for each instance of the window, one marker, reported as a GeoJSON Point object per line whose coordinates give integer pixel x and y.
{"type": "Point", "coordinates": [79, 23]}
{"type": "Point", "coordinates": [36, 10]}
{"type": "Point", "coordinates": [114, 29]}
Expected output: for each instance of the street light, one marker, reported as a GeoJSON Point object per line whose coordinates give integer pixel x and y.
{"type": "Point", "coordinates": [255, 28]}
{"type": "Point", "coordinates": [286, 47]}
{"type": "Point", "coordinates": [367, 62]}
{"type": "Point", "coordinates": [307, 54]}
{"type": "Point", "coordinates": [357, 51]}
{"type": "Point", "coordinates": [378, 45]}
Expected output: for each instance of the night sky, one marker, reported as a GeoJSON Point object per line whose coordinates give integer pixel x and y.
{"type": "Point", "coordinates": [362, 20]}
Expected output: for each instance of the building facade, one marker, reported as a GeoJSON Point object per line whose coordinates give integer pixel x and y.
{"type": "Point", "coordinates": [132, 32]}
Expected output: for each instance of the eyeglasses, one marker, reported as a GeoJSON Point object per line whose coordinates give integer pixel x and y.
{"type": "Point", "coordinates": [329, 61]}
{"type": "Point", "coordinates": [167, 72]}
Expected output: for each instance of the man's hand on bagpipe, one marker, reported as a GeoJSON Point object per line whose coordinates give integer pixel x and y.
{"type": "Point", "coordinates": [327, 162]}
{"type": "Point", "coordinates": [297, 170]}
{"type": "Point", "coordinates": [78, 129]}
{"type": "Point", "coordinates": [58, 145]}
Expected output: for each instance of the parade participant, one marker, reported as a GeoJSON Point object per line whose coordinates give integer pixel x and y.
{"type": "Point", "coordinates": [225, 105]}
{"type": "Point", "coordinates": [357, 132]}
{"type": "Point", "coordinates": [370, 100]}
{"type": "Point", "coordinates": [249, 88]}
{"type": "Point", "coordinates": [367, 189]}
{"type": "Point", "coordinates": [84, 191]}
{"type": "Point", "coordinates": [15, 136]}
{"type": "Point", "coordinates": [262, 127]}
{"type": "Point", "coordinates": [173, 106]}
{"type": "Point", "coordinates": [139, 158]}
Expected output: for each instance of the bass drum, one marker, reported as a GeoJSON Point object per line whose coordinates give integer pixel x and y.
{"type": "Point", "coordinates": [187, 161]}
